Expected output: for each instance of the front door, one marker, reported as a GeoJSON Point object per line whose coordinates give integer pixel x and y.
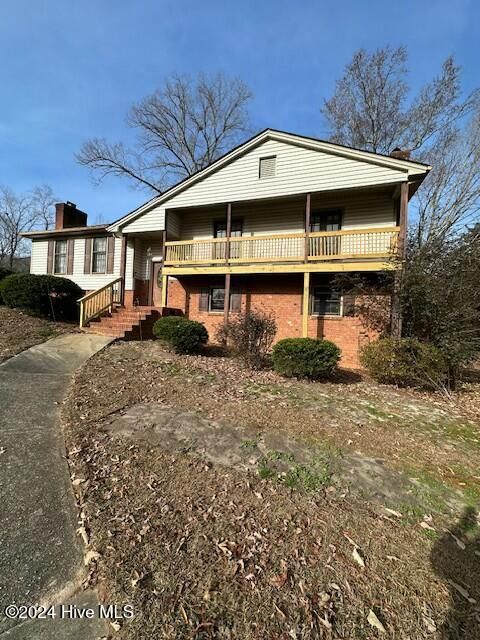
{"type": "Point", "coordinates": [157, 284]}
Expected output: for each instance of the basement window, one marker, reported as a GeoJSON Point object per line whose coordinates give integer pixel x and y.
{"type": "Point", "coordinates": [267, 167]}
{"type": "Point", "coordinates": [326, 302]}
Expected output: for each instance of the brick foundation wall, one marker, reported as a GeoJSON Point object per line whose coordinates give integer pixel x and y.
{"type": "Point", "coordinates": [280, 296]}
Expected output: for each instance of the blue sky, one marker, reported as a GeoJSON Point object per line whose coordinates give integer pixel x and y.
{"type": "Point", "coordinates": [70, 70]}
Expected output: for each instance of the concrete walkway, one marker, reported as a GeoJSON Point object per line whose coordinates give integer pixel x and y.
{"type": "Point", "coordinates": [41, 555]}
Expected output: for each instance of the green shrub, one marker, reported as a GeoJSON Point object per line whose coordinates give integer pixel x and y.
{"type": "Point", "coordinates": [189, 336]}
{"type": "Point", "coordinates": [305, 357]}
{"type": "Point", "coordinates": [251, 336]}
{"type": "Point", "coordinates": [42, 295]}
{"type": "Point", "coordinates": [3, 274]}
{"type": "Point", "coordinates": [405, 362]}
{"type": "Point", "coordinates": [164, 327]}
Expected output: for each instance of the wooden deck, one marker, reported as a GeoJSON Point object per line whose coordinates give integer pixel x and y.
{"type": "Point", "coordinates": [284, 248]}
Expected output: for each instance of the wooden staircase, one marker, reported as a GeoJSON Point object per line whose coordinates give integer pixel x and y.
{"type": "Point", "coordinates": [134, 323]}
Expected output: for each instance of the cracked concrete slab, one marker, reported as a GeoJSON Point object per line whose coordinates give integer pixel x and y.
{"type": "Point", "coordinates": [40, 552]}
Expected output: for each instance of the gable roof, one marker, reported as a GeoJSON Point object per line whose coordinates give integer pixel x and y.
{"type": "Point", "coordinates": [410, 167]}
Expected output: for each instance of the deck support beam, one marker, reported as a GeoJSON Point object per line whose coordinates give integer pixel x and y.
{"type": "Point", "coordinates": [307, 226]}
{"type": "Point", "coordinates": [228, 232]}
{"type": "Point", "coordinates": [305, 303]}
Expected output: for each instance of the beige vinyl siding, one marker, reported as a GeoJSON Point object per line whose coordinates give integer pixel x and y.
{"type": "Point", "coordinates": [38, 257]}
{"type": "Point", "coordinates": [173, 225]}
{"type": "Point", "coordinates": [298, 170]}
{"type": "Point", "coordinates": [361, 210]}
{"type": "Point", "coordinates": [142, 261]}
{"type": "Point", "coordinates": [90, 281]}
{"type": "Point", "coordinates": [87, 281]}
{"type": "Point", "coordinates": [154, 220]}
{"type": "Point", "coordinates": [129, 264]}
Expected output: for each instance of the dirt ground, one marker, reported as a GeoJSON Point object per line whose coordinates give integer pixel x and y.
{"type": "Point", "coordinates": [20, 331]}
{"type": "Point", "coordinates": [375, 534]}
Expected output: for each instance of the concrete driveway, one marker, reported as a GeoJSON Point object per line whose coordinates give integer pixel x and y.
{"type": "Point", "coordinates": [41, 555]}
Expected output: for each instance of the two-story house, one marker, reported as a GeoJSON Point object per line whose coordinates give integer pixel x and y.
{"type": "Point", "coordinates": [267, 226]}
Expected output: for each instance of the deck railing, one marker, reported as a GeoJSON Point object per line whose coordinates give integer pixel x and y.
{"type": "Point", "coordinates": [323, 245]}
{"type": "Point", "coordinates": [100, 301]}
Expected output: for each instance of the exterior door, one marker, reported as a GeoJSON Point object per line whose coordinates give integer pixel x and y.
{"type": "Point", "coordinates": [157, 284]}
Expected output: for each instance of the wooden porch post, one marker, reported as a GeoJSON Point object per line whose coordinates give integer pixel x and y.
{"type": "Point", "coordinates": [164, 296]}
{"type": "Point", "coordinates": [306, 303]}
{"type": "Point", "coordinates": [226, 302]}
{"type": "Point", "coordinates": [228, 232]}
{"type": "Point", "coordinates": [307, 226]}
{"type": "Point", "coordinates": [396, 311]}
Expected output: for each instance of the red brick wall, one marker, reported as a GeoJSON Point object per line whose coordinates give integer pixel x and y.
{"type": "Point", "coordinates": [279, 295]}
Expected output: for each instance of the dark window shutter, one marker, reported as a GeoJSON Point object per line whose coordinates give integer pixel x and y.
{"type": "Point", "coordinates": [203, 300]}
{"type": "Point", "coordinates": [110, 253]}
{"type": "Point", "coordinates": [70, 252]}
{"type": "Point", "coordinates": [235, 301]}
{"type": "Point", "coordinates": [348, 304]}
{"type": "Point", "coordinates": [50, 254]}
{"type": "Point", "coordinates": [87, 266]}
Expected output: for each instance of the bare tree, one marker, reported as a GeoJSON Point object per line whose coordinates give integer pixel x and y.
{"type": "Point", "coordinates": [450, 198]}
{"type": "Point", "coordinates": [372, 109]}
{"type": "Point", "coordinates": [43, 200]}
{"type": "Point", "coordinates": [19, 214]}
{"type": "Point", "coordinates": [181, 128]}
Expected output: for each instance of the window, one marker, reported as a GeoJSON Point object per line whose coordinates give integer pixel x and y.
{"type": "Point", "coordinates": [220, 228]}
{"type": "Point", "coordinates": [213, 300]}
{"type": "Point", "coordinates": [326, 302]}
{"type": "Point", "coordinates": [99, 255]}
{"type": "Point", "coordinates": [217, 299]}
{"type": "Point", "coordinates": [267, 167]}
{"type": "Point", "coordinates": [327, 220]}
{"type": "Point", "coordinates": [60, 256]}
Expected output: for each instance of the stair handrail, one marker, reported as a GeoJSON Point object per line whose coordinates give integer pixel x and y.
{"type": "Point", "coordinates": [96, 302]}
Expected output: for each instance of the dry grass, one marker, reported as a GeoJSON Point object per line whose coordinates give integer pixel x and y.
{"type": "Point", "coordinates": [19, 331]}
{"type": "Point", "coordinates": [207, 552]}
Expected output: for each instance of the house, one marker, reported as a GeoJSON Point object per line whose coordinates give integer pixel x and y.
{"type": "Point", "coordinates": [266, 226]}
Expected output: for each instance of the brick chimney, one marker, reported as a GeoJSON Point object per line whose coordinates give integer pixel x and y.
{"type": "Point", "coordinates": [399, 154]}
{"type": "Point", "coordinates": [67, 216]}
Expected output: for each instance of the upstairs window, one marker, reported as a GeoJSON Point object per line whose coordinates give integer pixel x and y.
{"type": "Point", "coordinates": [60, 256]}
{"type": "Point", "coordinates": [267, 167]}
{"type": "Point", "coordinates": [326, 302]}
{"type": "Point", "coordinates": [220, 228]}
{"type": "Point", "coordinates": [99, 255]}
{"type": "Point", "coordinates": [326, 220]}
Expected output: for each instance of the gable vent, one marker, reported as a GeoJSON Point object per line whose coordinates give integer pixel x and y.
{"type": "Point", "coordinates": [267, 167]}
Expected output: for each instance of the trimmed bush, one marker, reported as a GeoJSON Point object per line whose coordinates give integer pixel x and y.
{"type": "Point", "coordinates": [164, 327]}
{"type": "Point", "coordinates": [251, 336]}
{"type": "Point", "coordinates": [189, 336]}
{"type": "Point", "coordinates": [305, 358]}
{"type": "Point", "coordinates": [43, 295]}
{"type": "Point", "coordinates": [405, 362]}
{"type": "Point", "coordinates": [3, 274]}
